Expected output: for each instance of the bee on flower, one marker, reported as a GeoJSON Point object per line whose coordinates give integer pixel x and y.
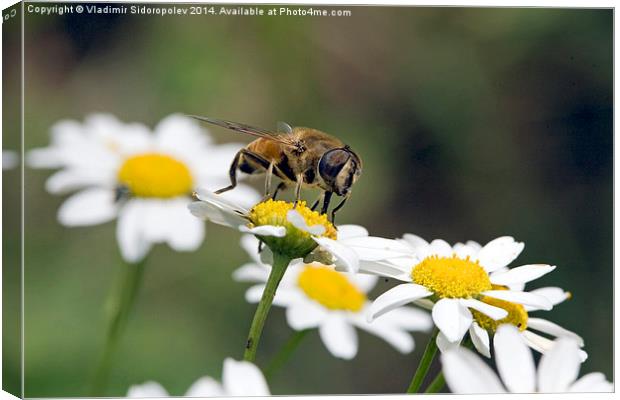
{"type": "Point", "coordinates": [144, 179]}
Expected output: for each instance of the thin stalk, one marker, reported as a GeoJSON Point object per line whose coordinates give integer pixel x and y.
{"type": "Point", "coordinates": [118, 308]}
{"type": "Point", "coordinates": [425, 363]}
{"type": "Point", "coordinates": [437, 384]}
{"type": "Point", "coordinates": [280, 263]}
{"type": "Point", "coordinates": [285, 353]}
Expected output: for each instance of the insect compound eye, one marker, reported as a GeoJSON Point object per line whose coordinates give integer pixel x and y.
{"type": "Point", "coordinates": [331, 168]}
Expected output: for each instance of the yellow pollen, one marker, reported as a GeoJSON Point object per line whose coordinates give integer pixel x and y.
{"type": "Point", "coordinates": [273, 212]}
{"type": "Point", "coordinates": [451, 277]}
{"type": "Point", "coordinates": [330, 288]}
{"type": "Point", "coordinates": [517, 315]}
{"type": "Point", "coordinates": [155, 175]}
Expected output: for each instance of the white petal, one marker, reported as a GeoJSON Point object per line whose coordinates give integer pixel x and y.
{"type": "Point", "coordinates": [441, 248]}
{"type": "Point", "coordinates": [559, 367]}
{"type": "Point", "coordinates": [514, 360]}
{"type": "Point", "coordinates": [339, 337]}
{"type": "Point", "coordinates": [452, 319]}
{"type": "Point", "coordinates": [480, 339]}
{"type": "Point", "coordinates": [384, 268]}
{"type": "Point", "coordinates": [205, 387]}
{"type": "Point", "coordinates": [67, 180]}
{"type": "Point", "coordinates": [396, 297]}
{"type": "Point", "coordinates": [147, 389]}
{"type": "Point", "coordinates": [474, 245]}
{"type": "Point", "coordinates": [219, 200]}
{"type": "Point", "coordinates": [178, 133]}
{"type": "Point", "coordinates": [344, 256]}
{"type": "Point", "coordinates": [282, 298]}
{"type": "Point", "coordinates": [242, 378]}
{"type": "Point", "coordinates": [88, 207]}
{"type": "Point", "coordinates": [251, 272]}
{"type": "Point", "coordinates": [183, 231]}
{"type": "Point", "coordinates": [495, 313]}
{"type": "Point", "coordinates": [525, 298]}
{"type": "Point", "coordinates": [305, 315]}
{"type": "Point", "coordinates": [130, 233]}
{"type": "Point", "coordinates": [592, 382]}
{"type": "Point", "coordinates": [499, 252]}
{"type": "Point", "coordinates": [364, 282]}
{"type": "Point", "coordinates": [555, 295]}
{"type": "Point", "coordinates": [216, 214]}
{"type": "Point", "coordinates": [467, 373]}
{"type": "Point", "coordinates": [295, 218]}
{"type": "Point", "coordinates": [264, 230]}
{"type": "Point", "coordinates": [542, 325]}
{"type": "Point", "coordinates": [372, 248]}
{"type": "Point", "coordinates": [249, 243]}
{"type": "Point", "coordinates": [523, 274]}
{"type": "Point", "coordinates": [443, 344]}
{"type": "Point", "coordinates": [387, 329]}
{"type": "Point", "coordinates": [463, 251]}
{"type": "Point", "coordinates": [415, 241]}
{"type": "Point", "coordinates": [537, 342]}
{"type": "Point", "coordinates": [409, 318]}
{"type": "Point", "coordinates": [351, 231]}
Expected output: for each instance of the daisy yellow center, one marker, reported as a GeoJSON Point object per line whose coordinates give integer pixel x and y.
{"type": "Point", "coordinates": [517, 315]}
{"type": "Point", "coordinates": [296, 243]}
{"type": "Point", "coordinates": [155, 175]}
{"type": "Point", "coordinates": [451, 277]}
{"type": "Point", "coordinates": [330, 288]}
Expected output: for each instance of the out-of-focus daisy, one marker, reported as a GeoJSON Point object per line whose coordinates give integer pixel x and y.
{"type": "Point", "coordinates": [144, 179]}
{"type": "Point", "coordinates": [10, 159]}
{"type": "Point", "coordinates": [557, 371]}
{"type": "Point", "coordinates": [318, 296]}
{"type": "Point", "coordinates": [239, 378]}
{"type": "Point", "coordinates": [452, 281]}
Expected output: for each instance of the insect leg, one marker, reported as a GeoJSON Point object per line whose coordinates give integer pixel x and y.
{"type": "Point", "coordinates": [268, 181]}
{"type": "Point", "coordinates": [338, 207]}
{"type": "Point", "coordinates": [281, 185]}
{"type": "Point", "coordinates": [316, 203]}
{"type": "Point", "coordinates": [298, 183]}
{"type": "Point", "coordinates": [232, 172]}
{"type": "Point", "coordinates": [326, 200]}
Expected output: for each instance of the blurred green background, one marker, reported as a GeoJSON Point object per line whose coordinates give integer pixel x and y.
{"type": "Point", "coordinates": [472, 123]}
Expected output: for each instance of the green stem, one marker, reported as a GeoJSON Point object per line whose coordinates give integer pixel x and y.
{"type": "Point", "coordinates": [437, 384]}
{"type": "Point", "coordinates": [280, 263]}
{"type": "Point", "coordinates": [118, 308]}
{"type": "Point", "coordinates": [425, 363]}
{"type": "Point", "coordinates": [285, 353]}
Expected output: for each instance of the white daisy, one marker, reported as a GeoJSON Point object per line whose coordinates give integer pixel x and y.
{"type": "Point", "coordinates": [317, 296]}
{"type": "Point", "coordinates": [557, 371]}
{"type": "Point", "coordinates": [239, 378]}
{"type": "Point", "coordinates": [453, 281]}
{"type": "Point", "coordinates": [145, 179]}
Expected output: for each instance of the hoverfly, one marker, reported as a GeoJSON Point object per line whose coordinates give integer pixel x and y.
{"type": "Point", "coordinates": [303, 157]}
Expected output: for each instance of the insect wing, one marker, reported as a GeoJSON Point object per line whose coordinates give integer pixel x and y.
{"type": "Point", "coordinates": [247, 129]}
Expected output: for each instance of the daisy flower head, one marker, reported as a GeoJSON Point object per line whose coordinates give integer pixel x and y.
{"type": "Point", "coordinates": [317, 296]}
{"type": "Point", "coordinates": [458, 283]}
{"type": "Point", "coordinates": [143, 178]}
{"type": "Point", "coordinates": [239, 378]}
{"type": "Point", "coordinates": [293, 230]}
{"type": "Point", "coordinates": [557, 370]}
